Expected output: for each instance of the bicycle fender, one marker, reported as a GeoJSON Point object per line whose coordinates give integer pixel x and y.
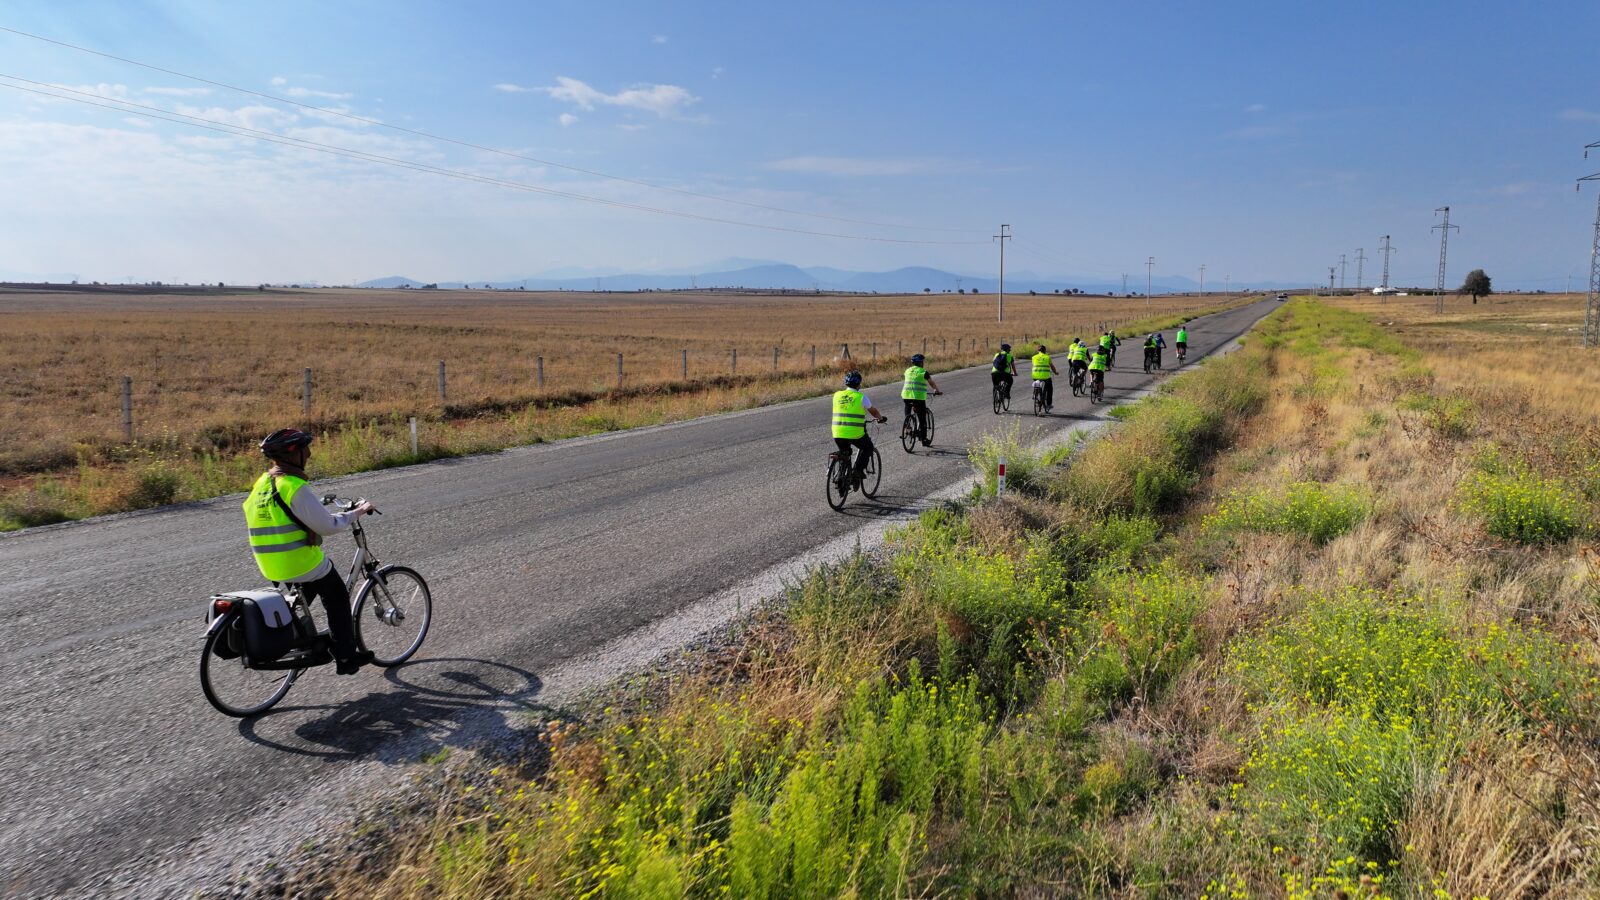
{"type": "Point", "coordinates": [219, 621]}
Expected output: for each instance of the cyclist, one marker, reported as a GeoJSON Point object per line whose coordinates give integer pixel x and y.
{"type": "Point", "coordinates": [851, 408]}
{"type": "Point", "coordinates": [287, 524]}
{"type": "Point", "coordinates": [1161, 344]}
{"type": "Point", "coordinates": [1043, 370]}
{"type": "Point", "coordinates": [1105, 342]}
{"type": "Point", "coordinates": [1115, 343]}
{"type": "Point", "coordinates": [1077, 361]}
{"type": "Point", "coordinates": [1182, 342]}
{"type": "Point", "coordinates": [1150, 352]}
{"type": "Point", "coordinates": [1004, 370]}
{"type": "Point", "coordinates": [1097, 369]}
{"type": "Point", "coordinates": [915, 395]}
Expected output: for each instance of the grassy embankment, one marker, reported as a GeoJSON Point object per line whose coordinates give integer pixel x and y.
{"type": "Point", "coordinates": [208, 384]}
{"type": "Point", "coordinates": [1311, 622]}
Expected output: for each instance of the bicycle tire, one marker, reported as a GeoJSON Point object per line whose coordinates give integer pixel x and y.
{"type": "Point", "coordinates": [999, 399]}
{"type": "Point", "coordinates": [209, 662]}
{"type": "Point", "coordinates": [871, 478]}
{"type": "Point", "coordinates": [384, 584]}
{"type": "Point", "coordinates": [836, 492]}
{"type": "Point", "coordinates": [928, 422]}
{"type": "Point", "coordinates": [1038, 401]}
{"type": "Point", "coordinates": [908, 434]}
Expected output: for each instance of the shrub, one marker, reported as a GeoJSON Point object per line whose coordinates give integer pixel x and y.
{"type": "Point", "coordinates": [1024, 462]}
{"type": "Point", "coordinates": [155, 485]}
{"type": "Point", "coordinates": [1317, 512]}
{"type": "Point", "coordinates": [43, 504]}
{"type": "Point", "coordinates": [1522, 506]}
{"type": "Point", "coordinates": [1137, 641]}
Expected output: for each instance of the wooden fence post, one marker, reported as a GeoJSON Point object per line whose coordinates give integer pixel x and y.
{"type": "Point", "coordinates": [305, 394]}
{"type": "Point", "coordinates": [774, 359]}
{"type": "Point", "coordinates": [845, 352]}
{"type": "Point", "coordinates": [442, 394]}
{"type": "Point", "coordinates": [413, 435]}
{"type": "Point", "coordinates": [541, 373]}
{"type": "Point", "coordinates": [813, 357]}
{"type": "Point", "coordinates": [619, 369]}
{"type": "Point", "coordinates": [127, 408]}
{"type": "Point", "coordinates": [685, 353]}
{"type": "Point", "coordinates": [733, 364]}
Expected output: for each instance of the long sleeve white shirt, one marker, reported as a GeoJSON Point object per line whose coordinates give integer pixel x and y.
{"type": "Point", "coordinates": [309, 509]}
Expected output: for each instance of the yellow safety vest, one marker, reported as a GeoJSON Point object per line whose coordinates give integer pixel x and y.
{"type": "Point", "coordinates": [1183, 336]}
{"type": "Point", "coordinates": [916, 387]}
{"type": "Point", "coordinates": [1003, 362]}
{"type": "Point", "coordinates": [1077, 353]}
{"type": "Point", "coordinates": [849, 415]}
{"type": "Point", "coordinates": [1098, 362]}
{"type": "Point", "coordinates": [1041, 366]}
{"type": "Point", "coordinates": [282, 549]}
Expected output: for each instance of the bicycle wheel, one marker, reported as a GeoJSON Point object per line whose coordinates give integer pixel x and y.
{"type": "Point", "coordinates": [838, 483]}
{"type": "Point", "coordinates": [873, 475]}
{"type": "Point", "coordinates": [233, 688]}
{"type": "Point", "coordinates": [999, 399]}
{"type": "Point", "coordinates": [393, 610]}
{"type": "Point", "coordinates": [928, 421]}
{"type": "Point", "coordinates": [908, 433]}
{"type": "Point", "coordinates": [1038, 401]}
{"type": "Point", "coordinates": [1005, 399]}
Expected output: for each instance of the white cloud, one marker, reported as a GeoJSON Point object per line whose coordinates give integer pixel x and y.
{"type": "Point", "coordinates": [1579, 115]}
{"type": "Point", "coordinates": [178, 91]}
{"type": "Point", "coordinates": [658, 39]}
{"type": "Point", "coordinates": [665, 100]}
{"type": "Point", "coordinates": [717, 72]}
{"type": "Point", "coordinates": [139, 123]}
{"type": "Point", "coordinates": [1256, 107]}
{"type": "Point", "coordinates": [279, 81]}
{"type": "Point", "coordinates": [632, 126]}
{"type": "Point", "coordinates": [507, 88]}
{"type": "Point", "coordinates": [567, 119]}
{"type": "Point", "coordinates": [109, 91]}
{"type": "Point", "coordinates": [325, 95]}
{"type": "Point", "coordinates": [845, 166]}
{"type": "Point", "coordinates": [259, 117]}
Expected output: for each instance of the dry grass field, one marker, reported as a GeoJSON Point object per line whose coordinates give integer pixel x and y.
{"type": "Point", "coordinates": [212, 373]}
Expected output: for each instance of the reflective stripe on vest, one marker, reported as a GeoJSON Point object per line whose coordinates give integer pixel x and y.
{"type": "Point", "coordinates": [849, 415]}
{"type": "Point", "coordinates": [1041, 366]}
{"type": "Point", "coordinates": [1077, 352]}
{"type": "Point", "coordinates": [279, 545]}
{"type": "Point", "coordinates": [1098, 363]}
{"type": "Point", "coordinates": [1105, 341]}
{"type": "Point", "coordinates": [916, 387]}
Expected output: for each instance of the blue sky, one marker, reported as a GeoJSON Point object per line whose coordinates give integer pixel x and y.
{"type": "Point", "coordinates": [1262, 140]}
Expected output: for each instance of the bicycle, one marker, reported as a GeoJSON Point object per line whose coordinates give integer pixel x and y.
{"type": "Point", "coordinates": [1038, 397]}
{"type": "Point", "coordinates": [1183, 353]}
{"type": "Point", "coordinates": [1077, 380]}
{"type": "Point", "coordinates": [1149, 360]}
{"type": "Point", "coordinates": [1097, 387]}
{"type": "Point", "coordinates": [842, 478]}
{"type": "Point", "coordinates": [908, 428]}
{"type": "Point", "coordinates": [1002, 397]}
{"type": "Point", "coordinates": [401, 612]}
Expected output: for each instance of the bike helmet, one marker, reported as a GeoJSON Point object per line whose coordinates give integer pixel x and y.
{"type": "Point", "coordinates": [283, 441]}
{"type": "Point", "coordinates": [916, 359]}
{"type": "Point", "coordinates": [1005, 346]}
{"type": "Point", "coordinates": [852, 379]}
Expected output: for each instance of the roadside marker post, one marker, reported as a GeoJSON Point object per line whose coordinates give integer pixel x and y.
{"type": "Point", "coordinates": [413, 436]}
{"type": "Point", "coordinates": [305, 394]}
{"type": "Point", "coordinates": [127, 408]}
{"type": "Point", "coordinates": [1000, 483]}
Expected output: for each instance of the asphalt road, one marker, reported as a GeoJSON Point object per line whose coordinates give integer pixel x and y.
{"type": "Point", "coordinates": [116, 775]}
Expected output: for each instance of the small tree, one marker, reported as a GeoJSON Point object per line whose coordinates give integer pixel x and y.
{"type": "Point", "coordinates": [1477, 284]}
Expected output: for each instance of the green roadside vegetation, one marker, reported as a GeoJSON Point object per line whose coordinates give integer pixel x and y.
{"type": "Point", "coordinates": [1282, 632]}
{"type": "Point", "coordinates": [169, 468]}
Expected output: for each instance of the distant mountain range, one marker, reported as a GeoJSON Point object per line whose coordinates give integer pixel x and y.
{"type": "Point", "coordinates": [766, 275]}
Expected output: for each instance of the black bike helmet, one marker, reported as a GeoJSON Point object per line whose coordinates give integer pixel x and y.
{"type": "Point", "coordinates": [283, 441]}
{"type": "Point", "coordinates": [916, 359]}
{"type": "Point", "coordinates": [1006, 347]}
{"type": "Point", "coordinates": [852, 379]}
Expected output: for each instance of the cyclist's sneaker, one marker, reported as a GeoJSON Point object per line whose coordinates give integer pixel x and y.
{"type": "Point", "coordinates": [352, 664]}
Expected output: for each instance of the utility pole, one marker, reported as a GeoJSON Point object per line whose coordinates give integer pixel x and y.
{"type": "Point", "coordinates": [1149, 266]}
{"type": "Point", "coordinates": [1124, 284]}
{"type": "Point", "coordinates": [1331, 271]}
{"type": "Point", "coordinates": [1341, 271]}
{"type": "Point", "coordinates": [1202, 278]}
{"type": "Point", "coordinates": [1444, 242]}
{"type": "Point", "coordinates": [1386, 248]}
{"type": "Point", "coordinates": [1361, 258]}
{"type": "Point", "coordinates": [1000, 303]}
{"type": "Point", "coordinates": [1591, 309]}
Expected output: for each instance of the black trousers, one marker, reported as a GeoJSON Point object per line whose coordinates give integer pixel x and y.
{"type": "Point", "coordinates": [863, 443]}
{"type": "Point", "coordinates": [919, 407]}
{"type": "Point", "coordinates": [336, 603]}
{"type": "Point", "coordinates": [1001, 378]}
{"type": "Point", "coordinates": [1049, 390]}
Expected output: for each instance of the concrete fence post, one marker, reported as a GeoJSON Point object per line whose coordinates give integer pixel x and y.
{"type": "Point", "coordinates": [127, 408]}
{"type": "Point", "coordinates": [442, 393]}
{"type": "Point", "coordinates": [413, 435]}
{"type": "Point", "coordinates": [305, 393]}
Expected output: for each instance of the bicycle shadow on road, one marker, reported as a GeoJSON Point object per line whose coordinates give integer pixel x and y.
{"type": "Point", "coordinates": [889, 506]}
{"type": "Point", "coordinates": [432, 704]}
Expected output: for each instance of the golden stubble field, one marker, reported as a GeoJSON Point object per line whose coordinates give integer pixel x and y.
{"type": "Point", "coordinates": [209, 369]}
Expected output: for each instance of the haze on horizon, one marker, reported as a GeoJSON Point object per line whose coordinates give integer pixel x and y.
{"type": "Point", "coordinates": [1259, 140]}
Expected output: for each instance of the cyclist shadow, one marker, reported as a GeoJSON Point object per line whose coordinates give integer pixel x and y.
{"type": "Point", "coordinates": [433, 705]}
{"type": "Point", "coordinates": [888, 506]}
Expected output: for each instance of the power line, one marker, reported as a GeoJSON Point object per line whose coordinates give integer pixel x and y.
{"type": "Point", "coordinates": [1387, 249]}
{"type": "Point", "coordinates": [139, 109]}
{"type": "Point", "coordinates": [1444, 242]}
{"type": "Point", "coordinates": [468, 144]}
{"type": "Point", "coordinates": [1361, 259]}
{"type": "Point", "coordinates": [1342, 264]}
{"type": "Point", "coordinates": [1591, 309]}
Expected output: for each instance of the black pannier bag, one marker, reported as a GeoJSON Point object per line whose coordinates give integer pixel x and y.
{"type": "Point", "coordinates": [269, 631]}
